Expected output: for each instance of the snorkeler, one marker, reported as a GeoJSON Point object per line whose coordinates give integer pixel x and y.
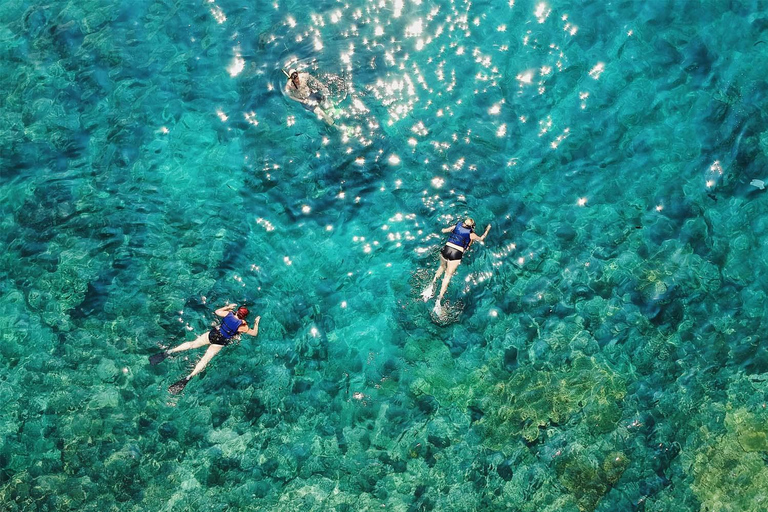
{"type": "Point", "coordinates": [462, 236]}
{"type": "Point", "coordinates": [309, 91]}
{"type": "Point", "coordinates": [233, 325]}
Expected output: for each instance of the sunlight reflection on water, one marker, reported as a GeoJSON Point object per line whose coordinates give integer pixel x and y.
{"type": "Point", "coordinates": [417, 69]}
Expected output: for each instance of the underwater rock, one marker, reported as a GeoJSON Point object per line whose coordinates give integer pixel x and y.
{"type": "Point", "coordinates": [614, 465]}
{"type": "Point", "coordinates": [751, 432]}
{"type": "Point", "coordinates": [533, 398]}
{"type": "Point", "coordinates": [168, 430]}
{"type": "Point", "coordinates": [565, 232]}
{"type": "Point", "coordinates": [583, 479]}
{"type": "Point", "coordinates": [107, 397]}
{"type": "Point", "coordinates": [107, 370]}
{"type": "Point", "coordinates": [427, 404]}
{"type": "Point", "coordinates": [509, 360]}
{"type": "Point", "coordinates": [726, 475]}
{"type": "Point", "coordinates": [505, 470]}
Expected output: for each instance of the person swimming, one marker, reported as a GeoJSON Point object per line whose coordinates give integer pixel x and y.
{"type": "Point", "coordinates": [462, 235]}
{"type": "Point", "coordinates": [232, 325]}
{"type": "Point", "coordinates": [309, 91]}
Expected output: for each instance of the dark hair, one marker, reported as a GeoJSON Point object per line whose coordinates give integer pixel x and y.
{"type": "Point", "coordinates": [295, 74]}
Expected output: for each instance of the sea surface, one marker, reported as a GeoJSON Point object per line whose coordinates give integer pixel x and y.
{"type": "Point", "coordinates": [603, 350]}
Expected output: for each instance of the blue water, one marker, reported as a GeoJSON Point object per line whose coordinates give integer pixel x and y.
{"type": "Point", "coordinates": [602, 350]}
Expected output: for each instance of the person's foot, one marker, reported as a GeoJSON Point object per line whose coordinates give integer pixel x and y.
{"type": "Point", "coordinates": [428, 292]}
{"type": "Point", "coordinates": [438, 308]}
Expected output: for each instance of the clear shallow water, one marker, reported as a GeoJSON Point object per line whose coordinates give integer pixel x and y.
{"type": "Point", "coordinates": [609, 354]}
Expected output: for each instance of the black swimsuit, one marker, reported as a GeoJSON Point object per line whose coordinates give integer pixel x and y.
{"type": "Point", "coordinates": [216, 338]}
{"type": "Point", "coordinates": [451, 253]}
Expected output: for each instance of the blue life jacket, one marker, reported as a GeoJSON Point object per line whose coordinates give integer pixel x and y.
{"type": "Point", "coordinates": [460, 235]}
{"type": "Point", "coordinates": [230, 325]}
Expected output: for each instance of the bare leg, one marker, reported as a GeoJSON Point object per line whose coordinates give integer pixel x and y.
{"type": "Point", "coordinates": [429, 291]}
{"type": "Point", "coordinates": [177, 387]}
{"type": "Point", "coordinates": [321, 113]}
{"type": "Point", "coordinates": [203, 362]}
{"type": "Point", "coordinates": [441, 269]}
{"type": "Point", "coordinates": [199, 342]}
{"type": "Point", "coordinates": [451, 267]}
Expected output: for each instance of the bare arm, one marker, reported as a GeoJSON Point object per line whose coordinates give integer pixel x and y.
{"type": "Point", "coordinates": [222, 312]}
{"type": "Point", "coordinates": [292, 92]}
{"type": "Point", "coordinates": [476, 238]}
{"type": "Point", "coordinates": [252, 331]}
{"type": "Point", "coordinates": [448, 229]}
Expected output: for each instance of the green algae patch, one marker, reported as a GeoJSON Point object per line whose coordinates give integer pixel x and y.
{"type": "Point", "coordinates": [751, 432]}
{"type": "Point", "coordinates": [614, 465]}
{"type": "Point", "coordinates": [588, 479]}
{"type": "Point", "coordinates": [582, 479]}
{"type": "Point", "coordinates": [729, 470]}
{"type": "Point", "coordinates": [533, 398]}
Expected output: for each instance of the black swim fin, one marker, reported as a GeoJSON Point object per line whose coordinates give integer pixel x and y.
{"type": "Point", "coordinates": [178, 386]}
{"type": "Point", "coordinates": [158, 358]}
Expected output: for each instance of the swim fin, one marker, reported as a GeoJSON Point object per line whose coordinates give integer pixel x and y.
{"type": "Point", "coordinates": [178, 386]}
{"type": "Point", "coordinates": [158, 358]}
{"type": "Point", "coordinates": [428, 292]}
{"type": "Point", "coordinates": [321, 113]}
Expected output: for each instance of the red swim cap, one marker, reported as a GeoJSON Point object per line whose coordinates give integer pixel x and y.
{"type": "Point", "coordinates": [242, 312]}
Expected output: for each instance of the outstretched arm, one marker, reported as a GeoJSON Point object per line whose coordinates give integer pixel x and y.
{"type": "Point", "coordinates": [447, 230]}
{"type": "Point", "coordinates": [476, 238]}
{"type": "Point", "coordinates": [254, 331]}
{"type": "Point", "coordinates": [222, 312]}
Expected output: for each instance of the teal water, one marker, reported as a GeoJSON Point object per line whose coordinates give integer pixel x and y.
{"type": "Point", "coordinates": [604, 349]}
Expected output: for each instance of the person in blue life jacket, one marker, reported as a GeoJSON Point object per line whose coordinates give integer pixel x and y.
{"type": "Point", "coordinates": [462, 235]}
{"type": "Point", "coordinates": [232, 325]}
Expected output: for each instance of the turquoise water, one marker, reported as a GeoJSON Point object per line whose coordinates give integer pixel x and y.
{"type": "Point", "coordinates": [603, 349]}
